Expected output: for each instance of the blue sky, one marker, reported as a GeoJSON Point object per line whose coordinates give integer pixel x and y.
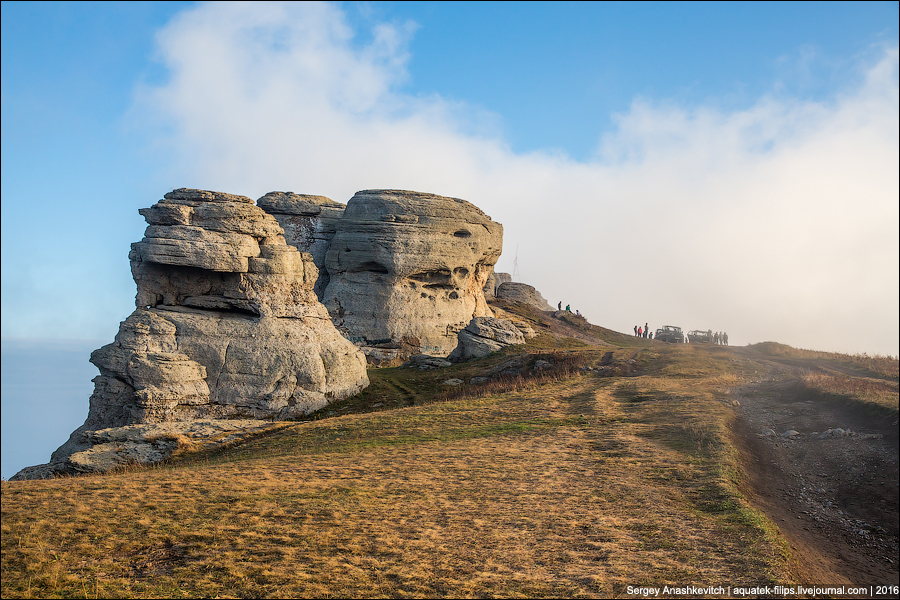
{"type": "Point", "coordinates": [721, 166]}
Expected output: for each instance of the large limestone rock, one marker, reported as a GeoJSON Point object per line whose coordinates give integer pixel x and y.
{"type": "Point", "coordinates": [407, 269]}
{"type": "Point", "coordinates": [227, 325]}
{"type": "Point", "coordinates": [485, 335]}
{"type": "Point", "coordinates": [309, 223]}
{"type": "Point", "coordinates": [522, 292]}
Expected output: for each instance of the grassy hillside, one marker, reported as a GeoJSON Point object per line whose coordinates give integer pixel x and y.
{"type": "Point", "coordinates": [613, 466]}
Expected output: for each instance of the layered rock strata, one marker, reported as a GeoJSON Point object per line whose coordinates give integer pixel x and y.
{"type": "Point", "coordinates": [407, 270]}
{"type": "Point", "coordinates": [227, 325]}
{"type": "Point", "coordinates": [309, 223]}
{"type": "Point", "coordinates": [224, 302]}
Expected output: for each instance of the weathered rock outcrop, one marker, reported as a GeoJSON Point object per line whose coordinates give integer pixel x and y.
{"type": "Point", "coordinates": [494, 281]}
{"type": "Point", "coordinates": [407, 270]}
{"type": "Point", "coordinates": [107, 449]}
{"type": "Point", "coordinates": [485, 335]}
{"type": "Point", "coordinates": [227, 325]}
{"type": "Point", "coordinates": [522, 292]}
{"type": "Point", "coordinates": [309, 223]}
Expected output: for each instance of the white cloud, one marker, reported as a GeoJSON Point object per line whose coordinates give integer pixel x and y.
{"type": "Point", "coordinates": [778, 221]}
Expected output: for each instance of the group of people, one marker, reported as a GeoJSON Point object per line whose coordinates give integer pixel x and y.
{"type": "Point", "coordinates": [719, 338]}
{"type": "Point", "coordinates": [568, 308]}
{"type": "Point", "coordinates": [643, 332]}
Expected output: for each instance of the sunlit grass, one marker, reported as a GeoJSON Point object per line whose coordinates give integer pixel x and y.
{"type": "Point", "coordinates": [875, 364]}
{"type": "Point", "coordinates": [569, 486]}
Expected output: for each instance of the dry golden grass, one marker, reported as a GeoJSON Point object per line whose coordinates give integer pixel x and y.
{"type": "Point", "coordinates": [878, 366]}
{"type": "Point", "coordinates": [866, 390]}
{"type": "Point", "coordinates": [569, 486]}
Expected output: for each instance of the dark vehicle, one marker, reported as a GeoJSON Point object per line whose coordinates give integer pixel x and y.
{"type": "Point", "coordinates": [700, 337]}
{"type": "Point", "coordinates": [669, 333]}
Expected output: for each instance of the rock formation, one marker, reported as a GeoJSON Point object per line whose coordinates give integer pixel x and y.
{"type": "Point", "coordinates": [227, 325]}
{"type": "Point", "coordinates": [407, 270]}
{"type": "Point", "coordinates": [309, 223]}
{"type": "Point", "coordinates": [483, 336]}
{"type": "Point", "coordinates": [494, 281]}
{"type": "Point", "coordinates": [521, 292]}
{"type": "Point", "coordinates": [114, 447]}
{"type": "Point", "coordinates": [218, 284]}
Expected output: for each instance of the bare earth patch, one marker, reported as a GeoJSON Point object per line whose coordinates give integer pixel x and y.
{"type": "Point", "coordinates": [831, 486]}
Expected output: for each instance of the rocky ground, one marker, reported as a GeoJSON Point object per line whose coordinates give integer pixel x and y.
{"type": "Point", "coordinates": [826, 472]}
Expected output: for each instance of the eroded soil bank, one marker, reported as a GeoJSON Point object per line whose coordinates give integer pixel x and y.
{"type": "Point", "coordinates": [825, 471]}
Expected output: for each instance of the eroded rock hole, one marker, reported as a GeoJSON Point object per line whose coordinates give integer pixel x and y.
{"type": "Point", "coordinates": [439, 279]}
{"type": "Point", "coordinates": [372, 267]}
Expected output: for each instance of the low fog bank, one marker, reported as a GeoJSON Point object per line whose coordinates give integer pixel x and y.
{"type": "Point", "coordinates": [45, 389]}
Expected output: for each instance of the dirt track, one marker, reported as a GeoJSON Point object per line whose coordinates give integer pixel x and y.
{"type": "Point", "coordinates": [833, 495]}
{"type": "Point", "coordinates": [835, 498]}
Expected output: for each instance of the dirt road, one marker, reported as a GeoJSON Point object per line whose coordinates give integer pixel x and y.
{"type": "Point", "coordinates": [825, 471]}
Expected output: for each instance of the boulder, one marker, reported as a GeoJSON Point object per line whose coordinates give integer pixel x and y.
{"type": "Point", "coordinates": [424, 362]}
{"type": "Point", "coordinates": [408, 269]}
{"type": "Point", "coordinates": [483, 336]}
{"type": "Point", "coordinates": [522, 292]}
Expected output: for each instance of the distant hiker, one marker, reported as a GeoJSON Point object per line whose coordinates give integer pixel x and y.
{"type": "Point", "coordinates": [646, 330]}
{"type": "Point", "coordinates": [650, 335]}
{"type": "Point", "coordinates": [724, 338]}
{"type": "Point", "coordinates": [559, 306]}
{"type": "Point", "coordinates": [568, 308]}
{"type": "Point", "coordinates": [577, 312]}
{"type": "Point", "coordinates": [640, 332]}
{"type": "Point", "coordinates": [635, 330]}
{"type": "Point", "coordinates": [716, 338]}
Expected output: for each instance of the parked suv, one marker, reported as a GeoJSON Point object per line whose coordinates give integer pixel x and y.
{"type": "Point", "coordinates": [700, 337]}
{"type": "Point", "coordinates": [669, 333]}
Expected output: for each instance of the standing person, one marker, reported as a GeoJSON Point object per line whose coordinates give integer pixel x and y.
{"type": "Point", "coordinates": [640, 332]}
{"type": "Point", "coordinates": [559, 306]}
{"type": "Point", "coordinates": [725, 338]}
{"type": "Point", "coordinates": [646, 330]}
{"type": "Point", "coordinates": [635, 330]}
{"type": "Point", "coordinates": [716, 339]}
